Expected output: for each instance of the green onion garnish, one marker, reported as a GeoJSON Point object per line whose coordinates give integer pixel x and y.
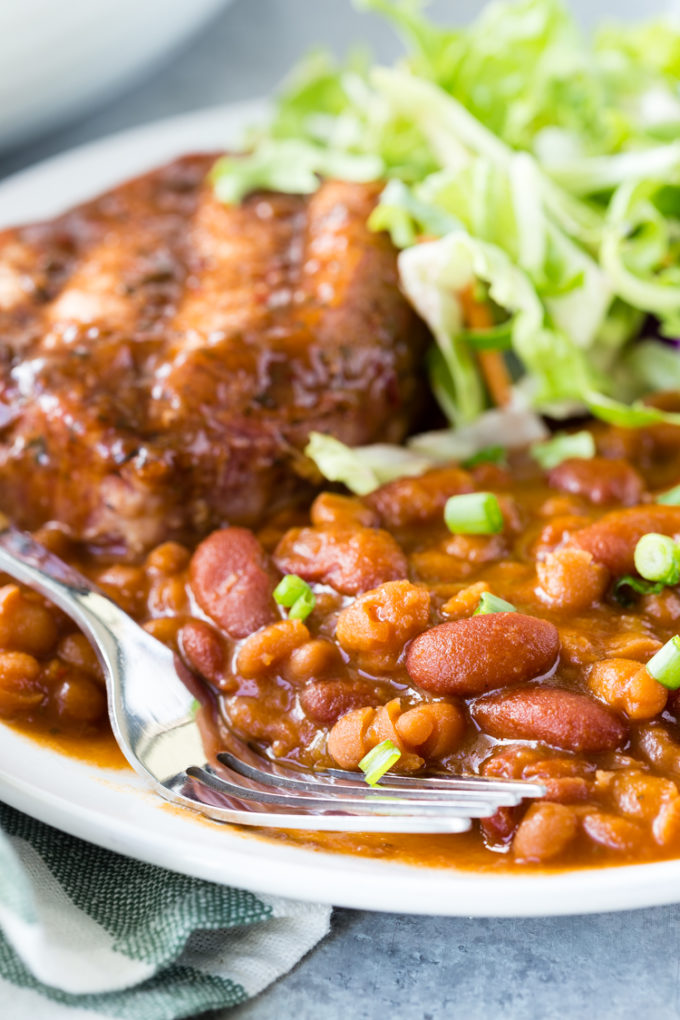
{"type": "Point", "coordinates": [296, 595]}
{"type": "Point", "coordinates": [489, 603]}
{"type": "Point", "coordinates": [376, 763]}
{"type": "Point", "coordinates": [636, 584]}
{"type": "Point", "coordinates": [490, 455]}
{"type": "Point", "coordinates": [671, 496]}
{"type": "Point", "coordinates": [562, 447]}
{"type": "Point", "coordinates": [665, 665]}
{"type": "Point", "coordinates": [474, 513]}
{"type": "Point", "coordinates": [657, 558]}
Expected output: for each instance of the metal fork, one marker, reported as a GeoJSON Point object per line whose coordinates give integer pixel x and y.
{"type": "Point", "coordinates": [154, 718]}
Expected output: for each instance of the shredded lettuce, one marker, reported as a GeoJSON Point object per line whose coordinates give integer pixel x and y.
{"type": "Point", "coordinates": [522, 159]}
{"type": "Point", "coordinates": [363, 468]}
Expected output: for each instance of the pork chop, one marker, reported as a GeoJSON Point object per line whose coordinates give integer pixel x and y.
{"type": "Point", "coordinates": [163, 356]}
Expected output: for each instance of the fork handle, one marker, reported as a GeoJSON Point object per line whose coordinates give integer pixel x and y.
{"type": "Point", "coordinates": [26, 560]}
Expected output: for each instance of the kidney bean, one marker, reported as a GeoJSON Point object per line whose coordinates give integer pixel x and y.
{"type": "Point", "coordinates": [544, 832]}
{"type": "Point", "coordinates": [203, 650]}
{"type": "Point", "coordinates": [325, 701]}
{"type": "Point", "coordinates": [571, 579]}
{"type": "Point", "coordinates": [478, 654]}
{"type": "Point", "coordinates": [412, 500]}
{"type": "Point", "coordinates": [498, 829]}
{"type": "Point", "coordinates": [231, 582]}
{"type": "Point", "coordinates": [612, 539]}
{"type": "Point", "coordinates": [600, 479]}
{"type": "Point", "coordinates": [564, 719]}
{"type": "Point", "coordinates": [350, 560]}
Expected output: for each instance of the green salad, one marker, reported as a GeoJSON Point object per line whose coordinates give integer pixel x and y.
{"type": "Point", "coordinates": [529, 171]}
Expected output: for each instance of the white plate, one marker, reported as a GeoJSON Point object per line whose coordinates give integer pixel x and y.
{"type": "Point", "coordinates": [113, 809]}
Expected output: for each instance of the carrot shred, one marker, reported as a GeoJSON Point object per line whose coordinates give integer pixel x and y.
{"type": "Point", "coordinates": [477, 315]}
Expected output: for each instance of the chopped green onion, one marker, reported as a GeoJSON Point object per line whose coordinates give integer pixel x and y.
{"type": "Point", "coordinates": [474, 513]}
{"type": "Point", "coordinates": [671, 496]}
{"type": "Point", "coordinates": [657, 558]}
{"type": "Point", "coordinates": [489, 603]}
{"type": "Point", "coordinates": [302, 606]}
{"type": "Point", "coordinates": [665, 665]}
{"type": "Point", "coordinates": [376, 763]}
{"type": "Point", "coordinates": [563, 447]}
{"type": "Point", "coordinates": [637, 585]}
{"type": "Point", "coordinates": [296, 595]}
{"type": "Point", "coordinates": [489, 455]}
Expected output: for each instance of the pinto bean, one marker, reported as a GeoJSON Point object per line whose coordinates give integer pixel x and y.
{"type": "Point", "coordinates": [347, 742]}
{"type": "Point", "coordinates": [641, 796]}
{"type": "Point", "coordinates": [77, 651]}
{"type": "Point", "coordinates": [203, 650]}
{"type": "Point", "coordinates": [79, 699]}
{"type": "Point", "coordinates": [350, 560]}
{"type": "Point", "coordinates": [428, 730]}
{"type": "Point", "coordinates": [231, 582]}
{"type": "Point", "coordinates": [325, 701]}
{"type": "Point", "coordinates": [659, 747]}
{"type": "Point", "coordinates": [25, 624]}
{"type": "Point", "coordinates": [478, 654]}
{"type": "Point", "coordinates": [612, 539]}
{"type": "Point", "coordinates": [627, 686]}
{"type": "Point", "coordinates": [270, 647]}
{"type": "Point", "coordinates": [310, 660]}
{"type": "Point", "coordinates": [342, 511]}
{"type": "Point", "coordinates": [544, 832]}
{"type": "Point", "coordinates": [412, 500]}
{"type": "Point", "coordinates": [433, 728]}
{"type": "Point", "coordinates": [600, 479]}
{"type": "Point", "coordinates": [564, 719]}
{"type": "Point", "coordinates": [377, 625]}
{"type": "Point", "coordinates": [613, 832]}
{"type": "Point", "coordinates": [20, 690]}
{"type": "Point", "coordinates": [465, 601]}
{"type": "Point", "coordinates": [571, 579]}
{"type": "Point", "coordinates": [666, 824]}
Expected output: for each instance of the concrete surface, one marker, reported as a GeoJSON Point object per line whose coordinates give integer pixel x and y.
{"type": "Point", "coordinates": [395, 966]}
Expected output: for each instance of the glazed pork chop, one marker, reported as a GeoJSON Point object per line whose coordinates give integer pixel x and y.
{"type": "Point", "coordinates": [163, 357]}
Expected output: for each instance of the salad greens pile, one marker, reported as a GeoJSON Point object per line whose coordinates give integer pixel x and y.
{"type": "Point", "coordinates": [525, 164]}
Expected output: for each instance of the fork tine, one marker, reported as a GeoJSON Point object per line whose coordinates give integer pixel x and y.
{"type": "Point", "coordinates": [375, 803]}
{"type": "Point", "coordinates": [317, 783]}
{"type": "Point", "coordinates": [444, 780]}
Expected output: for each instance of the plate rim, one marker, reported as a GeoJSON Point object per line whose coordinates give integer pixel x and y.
{"type": "Point", "coordinates": [109, 805]}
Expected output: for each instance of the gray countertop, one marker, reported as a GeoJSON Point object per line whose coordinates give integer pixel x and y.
{"type": "Point", "coordinates": [393, 965]}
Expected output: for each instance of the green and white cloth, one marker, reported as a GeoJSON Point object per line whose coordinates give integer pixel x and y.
{"type": "Point", "coordinates": [86, 932]}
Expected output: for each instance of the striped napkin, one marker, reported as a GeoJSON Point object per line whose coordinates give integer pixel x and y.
{"type": "Point", "coordinates": [86, 932]}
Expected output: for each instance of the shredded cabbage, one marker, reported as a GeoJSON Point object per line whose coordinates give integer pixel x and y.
{"type": "Point", "coordinates": [521, 157]}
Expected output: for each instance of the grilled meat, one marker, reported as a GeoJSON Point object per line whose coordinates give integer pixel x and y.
{"type": "Point", "coordinates": [163, 357]}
